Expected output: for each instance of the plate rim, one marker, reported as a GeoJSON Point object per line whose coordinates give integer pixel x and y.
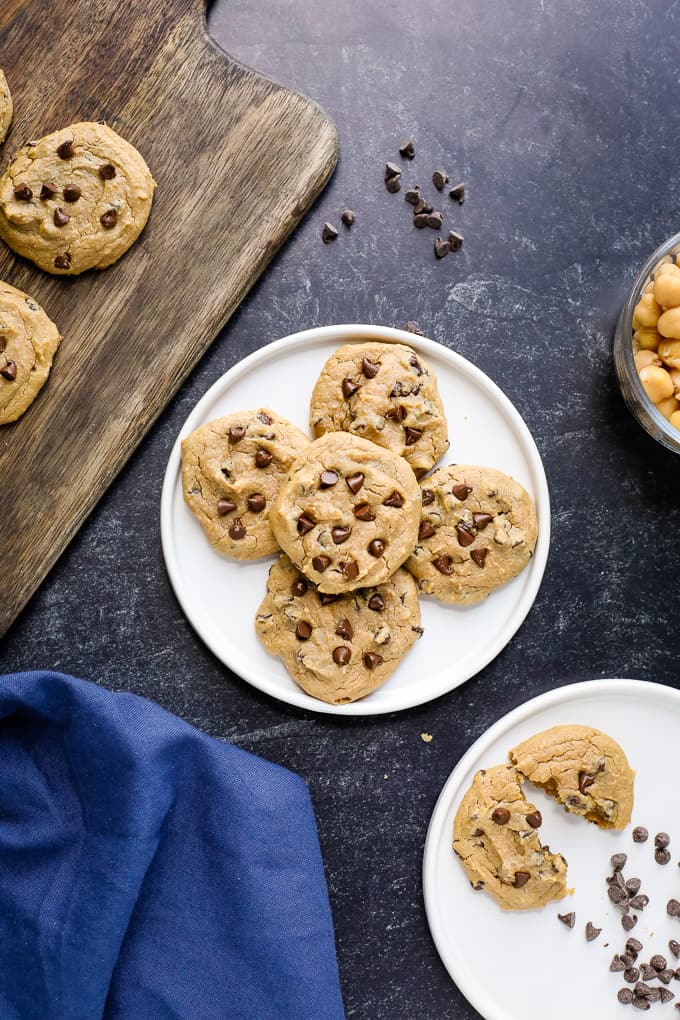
{"type": "Point", "coordinates": [341, 333]}
{"type": "Point", "coordinates": [612, 686]}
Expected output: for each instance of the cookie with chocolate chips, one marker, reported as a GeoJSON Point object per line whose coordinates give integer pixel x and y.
{"type": "Point", "coordinates": [76, 199]}
{"type": "Point", "coordinates": [347, 513]}
{"type": "Point", "coordinates": [478, 530]}
{"type": "Point", "coordinates": [338, 648]}
{"type": "Point", "coordinates": [28, 342]}
{"type": "Point", "coordinates": [231, 471]}
{"type": "Point", "coordinates": [495, 835]}
{"type": "Point", "coordinates": [584, 769]}
{"type": "Point", "coordinates": [386, 393]}
{"type": "Point", "coordinates": [6, 107]}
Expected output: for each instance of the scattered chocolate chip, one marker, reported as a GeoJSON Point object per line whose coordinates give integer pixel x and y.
{"type": "Point", "coordinates": [628, 959]}
{"type": "Point", "coordinates": [354, 482]}
{"type": "Point", "coordinates": [500, 815]}
{"type": "Point", "coordinates": [658, 962]}
{"type": "Point", "coordinates": [107, 171]}
{"type": "Point", "coordinates": [617, 861]}
{"type": "Point", "coordinates": [640, 1004]}
{"type": "Point", "coordinates": [348, 217]}
{"type": "Point", "coordinates": [639, 902]}
{"type": "Point", "coordinates": [263, 458]}
{"type": "Point", "coordinates": [60, 217]}
{"type": "Point", "coordinates": [65, 150]}
{"type": "Point", "coordinates": [329, 233]}
{"type": "Point", "coordinates": [391, 171]}
{"type": "Point", "coordinates": [640, 834]}
{"type": "Point", "coordinates": [585, 779]}
{"type": "Point", "coordinates": [625, 996]}
{"type": "Point", "coordinates": [372, 660]}
{"type": "Point", "coordinates": [439, 179]}
{"type": "Point", "coordinates": [328, 479]}
{"type": "Point", "coordinates": [393, 185]}
{"type": "Point", "coordinates": [441, 248]}
{"type": "Point", "coordinates": [465, 536]}
{"type": "Point", "coordinates": [321, 563]}
{"type": "Point", "coordinates": [455, 240]}
{"type": "Point", "coordinates": [592, 932]}
{"type": "Point", "coordinates": [633, 946]}
{"type": "Point", "coordinates": [616, 894]}
{"type": "Point", "coordinates": [661, 856]}
{"type": "Point", "coordinates": [376, 547]}
{"type": "Point", "coordinates": [521, 878]}
{"type": "Point", "coordinates": [349, 388]}
{"type": "Point", "coordinates": [236, 434]}
{"type": "Point", "coordinates": [225, 506]}
{"type": "Point", "coordinates": [673, 908]}
{"type": "Point", "coordinates": [411, 436]}
{"type": "Point", "coordinates": [426, 530]}
{"type": "Point", "coordinates": [413, 327]}
{"type": "Point", "coordinates": [344, 629]}
{"type": "Point", "coordinates": [47, 190]}
{"type": "Point", "coordinates": [422, 207]}
{"type": "Point", "coordinates": [376, 603]}
{"type": "Point", "coordinates": [633, 885]}
{"type": "Point", "coordinates": [109, 219]}
{"type": "Point", "coordinates": [666, 975]}
{"type": "Point", "coordinates": [305, 524]}
{"type": "Point", "coordinates": [364, 512]}
{"type": "Point", "coordinates": [420, 220]}
{"type": "Point", "coordinates": [9, 371]}
{"type": "Point", "coordinates": [342, 655]}
{"type": "Point", "coordinates": [461, 492]}
{"type": "Point", "coordinates": [71, 193]}
{"type": "Point", "coordinates": [478, 556]}
{"type": "Point", "coordinates": [444, 564]}
{"type": "Point", "coordinates": [457, 193]}
{"type": "Point", "coordinates": [666, 994]}
{"type": "Point", "coordinates": [369, 368]}
{"type": "Point", "coordinates": [427, 496]}
{"type": "Point", "coordinates": [648, 972]}
{"type": "Point", "coordinates": [256, 502]}
{"type": "Point", "coordinates": [480, 522]}
{"type": "Point", "coordinates": [340, 534]}
{"type": "Point", "coordinates": [568, 919]}
{"type": "Point", "coordinates": [63, 261]}
{"type": "Point", "coordinates": [299, 587]}
{"type": "Point", "coordinates": [23, 193]}
{"type": "Point", "coordinates": [237, 531]}
{"type": "Point", "coordinates": [350, 570]}
{"type": "Point", "coordinates": [662, 839]}
{"type": "Point", "coordinates": [412, 196]}
{"type": "Point", "coordinates": [628, 921]}
{"type": "Point", "coordinates": [674, 947]}
{"type": "Point", "coordinates": [326, 598]}
{"type": "Point", "coordinates": [303, 631]}
{"type": "Point", "coordinates": [616, 879]}
{"type": "Point", "coordinates": [407, 149]}
{"type": "Point", "coordinates": [534, 819]}
{"type": "Point", "coordinates": [631, 975]}
{"type": "Point", "coordinates": [397, 413]}
{"type": "Point", "coordinates": [394, 499]}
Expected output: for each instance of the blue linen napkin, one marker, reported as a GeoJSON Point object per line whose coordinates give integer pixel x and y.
{"type": "Point", "coordinates": [150, 872]}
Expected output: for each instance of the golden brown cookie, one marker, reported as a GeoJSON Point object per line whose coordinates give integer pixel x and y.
{"type": "Point", "coordinates": [28, 341]}
{"type": "Point", "coordinates": [76, 199]}
{"type": "Point", "coordinates": [584, 769]}
{"type": "Point", "coordinates": [386, 393]}
{"type": "Point", "coordinates": [338, 648]}
{"type": "Point", "coordinates": [231, 471]}
{"type": "Point", "coordinates": [6, 107]}
{"type": "Point", "coordinates": [495, 835]}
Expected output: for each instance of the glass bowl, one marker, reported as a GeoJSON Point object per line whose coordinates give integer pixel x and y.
{"type": "Point", "coordinates": [632, 389]}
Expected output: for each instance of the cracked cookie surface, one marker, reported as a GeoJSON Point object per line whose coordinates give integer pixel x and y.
{"type": "Point", "coordinates": [6, 107]}
{"type": "Point", "coordinates": [232, 468]}
{"type": "Point", "coordinates": [385, 393]}
{"type": "Point", "coordinates": [28, 341]}
{"type": "Point", "coordinates": [76, 199]}
{"type": "Point", "coordinates": [478, 530]}
{"type": "Point", "coordinates": [584, 769]}
{"type": "Point", "coordinates": [347, 513]}
{"type": "Point", "coordinates": [337, 648]}
{"type": "Point", "coordinates": [495, 836]}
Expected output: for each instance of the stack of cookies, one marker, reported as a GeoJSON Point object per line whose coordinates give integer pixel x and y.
{"type": "Point", "coordinates": [362, 526]}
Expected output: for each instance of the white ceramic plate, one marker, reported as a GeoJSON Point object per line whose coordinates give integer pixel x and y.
{"type": "Point", "coordinates": [528, 966]}
{"type": "Point", "coordinates": [220, 596]}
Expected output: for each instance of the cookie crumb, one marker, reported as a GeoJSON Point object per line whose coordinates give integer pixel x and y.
{"type": "Point", "coordinates": [426, 737]}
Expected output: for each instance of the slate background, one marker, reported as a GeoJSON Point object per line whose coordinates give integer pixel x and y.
{"type": "Point", "coordinates": [563, 119]}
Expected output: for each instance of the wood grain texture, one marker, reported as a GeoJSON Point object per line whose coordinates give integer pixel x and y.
{"type": "Point", "coordinates": [238, 160]}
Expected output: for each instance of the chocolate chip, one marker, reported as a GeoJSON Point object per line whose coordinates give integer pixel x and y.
{"type": "Point", "coordinates": [340, 534]}
{"type": "Point", "coordinates": [585, 779]}
{"type": "Point", "coordinates": [328, 479]}
{"type": "Point", "coordinates": [344, 629]}
{"type": "Point", "coordinates": [354, 482]}
{"type": "Point", "coordinates": [264, 418]}
{"type": "Point", "coordinates": [633, 946]}
{"type": "Point", "coordinates": [376, 547]}
{"type": "Point", "coordinates": [628, 959]}
{"type": "Point", "coordinates": [321, 563]}
{"type": "Point", "coordinates": [640, 1004]}
{"type": "Point", "coordinates": [628, 921]}
{"type": "Point", "coordinates": [107, 171]}
{"type": "Point", "coordinates": [439, 179]}
{"type": "Point", "coordinates": [350, 570]}
{"type": "Point", "coordinates": [65, 150]}
{"type": "Point", "coordinates": [299, 587]}
{"type": "Point", "coordinates": [639, 902]}
{"type": "Point", "coordinates": [9, 371]}
{"type": "Point", "coordinates": [420, 220]}
{"type": "Point", "coordinates": [592, 932]}
{"type": "Point", "coordinates": [71, 193]}
{"type": "Point", "coordinates": [397, 413]}
{"type": "Point", "coordinates": [427, 496]}
{"type": "Point", "coordinates": [391, 171]}
{"type": "Point", "coordinates": [369, 368]}
{"type": "Point", "coordinates": [348, 217]}
{"type": "Point", "coordinates": [263, 458]}
{"type": "Point", "coordinates": [616, 894]}
{"type": "Point", "coordinates": [521, 878]}
{"type": "Point", "coordinates": [435, 220]}
{"type": "Point", "coordinates": [461, 491]}
{"type": "Point", "coordinates": [23, 193]}
{"type": "Point", "coordinates": [48, 190]}
{"type": "Point", "coordinates": [426, 530]}
{"type": "Point", "coordinates": [305, 524]}
{"type": "Point", "coordinates": [481, 520]}
{"type": "Point", "coordinates": [393, 185]}
{"type": "Point", "coordinates": [237, 531]}
{"type": "Point", "coordinates": [478, 556]}
{"type": "Point", "coordinates": [465, 536]}
{"type": "Point", "coordinates": [674, 947]}
{"type": "Point", "coordinates": [673, 908]}
{"type": "Point", "coordinates": [364, 512]}
{"type": "Point", "coordinates": [457, 193]}
{"type": "Point", "coordinates": [617, 861]}
{"type": "Point", "coordinates": [616, 879]}
{"type": "Point", "coordinates": [342, 655]}
{"type": "Point", "coordinates": [413, 327]}
{"type": "Point", "coordinates": [60, 217]}
{"type": "Point", "coordinates": [329, 233]}
{"type": "Point", "coordinates": [631, 975]}
{"type": "Point", "coordinates": [455, 240]}
{"type": "Point", "coordinates": [666, 975]}
{"type": "Point", "coordinates": [633, 885]}
{"type": "Point", "coordinates": [625, 996]}
{"type": "Point", "coordinates": [422, 207]}
{"type": "Point", "coordinates": [441, 248]}
{"type": "Point", "coordinates": [648, 972]}
{"type": "Point", "coordinates": [414, 363]}
{"type": "Point", "coordinates": [63, 261]}
{"type": "Point", "coordinates": [640, 834]}
{"type": "Point", "coordinates": [109, 219]}
{"type": "Point", "coordinates": [303, 631]}
{"type": "Point", "coordinates": [376, 603]}
{"type": "Point", "coordinates": [225, 506]}
{"type": "Point", "coordinates": [662, 839]}
{"type": "Point", "coordinates": [394, 499]}
{"type": "Point", "coordinates": [658, 962]}
{"type": "Point", "coordinates": [500, 815]}
{"type": "Point", "coordinates": [568, 919]}
{"type": "Point", "coordinates": [236, 434]}
{"type": "Point", "coordinates": [534, 819]}
{"type": "Point", "coordinates": [412, 196]}
{"type": "Point", "coordinates": [349, 388]}
{"type": "Point", "coordinates": [407, 149]}
{"type": "Point", "coordinates": [256, 502]}
{"type": "Point", "coordinates": [661, 856]}
{"type": "Point", "coordinates": [666, 994]}
{"type": "Point", "coordinates": [325, 598]}
{"type": "Point", "coordinates": [444, 564]}
{"type": "Point", "coordinates": [372, 660]}
{"type": "Point", "coordinates": [411, 436]}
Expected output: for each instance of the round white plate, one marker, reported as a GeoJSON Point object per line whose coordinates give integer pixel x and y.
{"type": "Point", "coordinates": [220, 596]}
{"type": "Point", "coordinates": [527, 965]}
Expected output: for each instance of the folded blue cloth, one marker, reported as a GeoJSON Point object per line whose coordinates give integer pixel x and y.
{"type": "Point", "coordinates": [150, 872]}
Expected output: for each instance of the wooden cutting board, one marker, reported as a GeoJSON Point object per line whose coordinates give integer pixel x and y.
{"type": "Point", "coordinates": [238, 160]}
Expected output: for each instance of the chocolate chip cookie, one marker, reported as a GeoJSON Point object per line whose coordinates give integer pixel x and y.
{"type": "Point", "coordinates": [386, 393]}
{"type": "Point", "coordinates": [478, 530]}
{"type": "Point", "coordinates": [338, 648]}
{"type": "Point", "coordinates": [347, 513]}
{"type": "Point", "coordinates": [584, 769]}
{"type": "Point", "coordinates": [495, 834]}
{"type": "Point", "coordinates": [231, 471]}
{"type": "Point", "coordinates": [6, 108]}
{"type": "Point", "coordinates": [76, 199]}
{"type": "Point", "coordinates": [28, 341]}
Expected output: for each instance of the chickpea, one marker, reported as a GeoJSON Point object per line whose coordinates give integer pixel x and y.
{"type": "Point", "coordinates": [666, 267]}
{"type": "Point", "coordinates": [669, 352]}
{"type": "Point", "coordinates": [668, 324]}
{"type": "Point", "coordinates": [648, 288]}
{"type": "Point", "coordinates": [668, 407]}
{"type": "Point", "coordinates": [667, 289]}
{"type": "Point", "coordinates": [675, 420]}
{"type": "Point", "coordinates": [657, 383]}
{"type": "Point", "coordinates": [644, 358]}
{"type": "Point", "coordinates": [674, 373]}
{"type": "Point", "coordinates": [647, 339]}
{"type": "Point", "coordinates": [647, 312]}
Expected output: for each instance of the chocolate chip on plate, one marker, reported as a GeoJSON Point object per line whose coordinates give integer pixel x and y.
{"type": "Point", "coordinates": [666, 975]}
{"type": "Point", "coordinates": [673, 908]}
{"type": "Point", "coordinates": [412, 196]}
{"type": "Point", "coordinates": [413, 327]}
{"type": "Point", "coordinates": [628, 921]}
{"type": "Point", "coordinates": [393, 185]}
{"type": "Point", "coordinates": [340, 533]}
{"type": "Point", "coordinates": [631, 975]}
{"type": "Point", "coordinates": [455, 240]}
{"type": "Point", "coordinates": [662, 839]}
{"type": "Point", "coordinates": [639, 902]}
{"type": "Point", "coordinates": [321, 563]}
{"type": "Point", "coordinates": [256, 502]}
{"type": "Point", "coordinates": [65, 150]}
{"type": "Point", "coordinates": [633, 946]}
{"type": "Point", "coordinates": [625, 996]}
{"type": "Point", "coordinates": [617, 861]}
{"type": "Point", "coordinates": [348, 217]}
{"type": "Point", "coordinates": [648, 972]}
{"type": "Point", "coordinates": [376, 603]}
{"type": "Point", "coordinates": [457, 192]}
{"type": "Point", "coordinates": [666, 994]}
{"type": "Point", "coordinates": [60, 217]}
{"type": "Point", "coordinates": [342, 655]}
{"type": "Point", "coordinates": [500, 815]}
{"type": "Point", "coordinates": [372, 660]}
{"type": "Point", "coordinates": [263, 458]}
{"type": "Point", "coordinates": [107, 171]}
{"type": "Point", "coordinates": [439, 179]}
{"type": "Point", "coordinates": [303, 631]}
{"type": "Point", "coordinates": [328, 479]}
{"type": "Point", "coordinates": [225, 506]}
{"type": "Point", "coordinates": [640, 834]}
{"type": "Point", "coordinates": [658, 962]}
{"type": "Point", "coordinates": [441, 248]}
{"type": "Point", "coordinates": [109, 219]}
{"type": "Point", "coordinates": [328, 233]}
{"type": "Point", "coordinates": [354, 482]}
{"type": "Point", "coordinates": [420, 220]}
{"type": "Point", "coordinates": [71, 193]}
{"type": "Point", "coordinates": [435, 220]}
{"type": "Point", "coordinates": [407, 149]}
{"type": "Point", "coordinates": [662, 856]}
{"type": "Point", "coordinates": [422, 206]}
{"type": "Point", "coordinates": [592, 932]}
{"type": "Point", "coordinates": [674, 947]}
{"type": "Point", "coordinates": [569, 920]}
{"type": "Point", "coordinates": [616, 894]}
{"type": "Point", "coordinates": [633, 885]}
{"type": "Point", "coordinates": [391, 171]}
{"type": "Point", "coordinates": [299, 587]}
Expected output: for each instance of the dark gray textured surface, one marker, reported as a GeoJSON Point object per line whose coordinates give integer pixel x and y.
{"type": "Point", "coordinates": [563, 118]}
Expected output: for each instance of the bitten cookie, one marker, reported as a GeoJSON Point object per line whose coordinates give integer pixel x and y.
{"type": "Point", "coordinates": [386, 393]}
{"type": "Point", "coordinates": [478, 530]}
{"type": "Point", "coordinates": [6, 107]}
{"type": "Point", "coordinates": [337, 647]}
{"type": "Point", "coordinates": [231, 471]}
{"type": "Point", "coordinates": [28, 341]}
{"type": "Point", "coordinates": [584, 769]}
{"type": "Point", "coordinates": [76, 199]}
{"type": "Point", "coordinates": [347, 513]}
{"type": "Point", "coordinates": [495, 834]}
